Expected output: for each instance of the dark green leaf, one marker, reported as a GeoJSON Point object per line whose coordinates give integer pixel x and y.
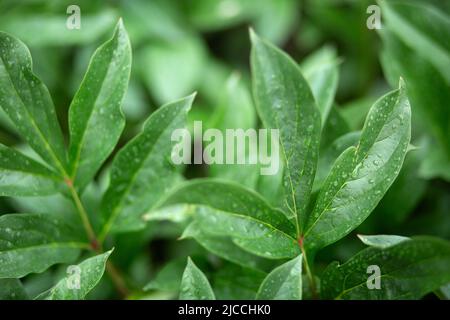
{"type": "Point", "coordinates": [409, 270]}
{"type": "Point", "coordinates": [12, 289]}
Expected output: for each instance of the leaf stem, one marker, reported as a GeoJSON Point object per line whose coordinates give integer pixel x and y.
{"type": "Point", "coordinates": [309, 273]}
{"type": "Point", "coordinates": [96, 245]}
{"type": "Point", "coordinates": [83, 215]}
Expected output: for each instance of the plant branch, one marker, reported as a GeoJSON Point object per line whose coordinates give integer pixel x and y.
{"type": "Point", "coordinates": [309, 273]}
{"type": "Point", "coordinates": [97, 246]}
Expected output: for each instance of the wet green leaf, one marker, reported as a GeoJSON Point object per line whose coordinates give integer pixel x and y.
{"type": "Point", "coordinates": [142, 171]}
{"type": "Point", "coordinates": [194, 284]}
{"type": "Point", "coordinates": [23, 176]}
{"type": "Point", "coordinates": [284, 282]}
{"type": "Point", "coordinates": [284, 101]}
{"type": "Point", "coordinates": [30, 243]}
{"type": "Point", "coordinates": [95, 116]}
{"type": "Point", "coordinates": [408, 270]}
{"type": "Point", "coordinates": [28, 104]}
{"type": "Point", "coordinates": [362, 175]}
{"type": "Point", "coordinates": [90, 271]}
{"type": "Point", "coordinates": [382, 241]}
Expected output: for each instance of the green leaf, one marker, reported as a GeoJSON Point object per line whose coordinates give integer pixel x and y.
{"type": "Point", "coordinates": [27, 102]}
{"type": "Point", "coordinates": [423, 28]}
{"type": "Point", "coordinates": [95, 117]}
{"type": "Point", "coordinates": [194, 284]}
{"type": "Point", "coordinates": [362, 175]}
{"type": "Point", "coordinates": [409, 270]}
{"type": "Point", "coordinates": [22, 176]}
{"type": "Point", "coordinates": [284, 101]}
{"type": "Point", "coordinates": [224, 209]}
{"type": "Point", "coordinates": [225, 248]}
{"type": "Point", "coordinates": [229, 197]}
{"type": "Point", "coordinates": [255, 236]}
{"type": "Point", "coordinates": [30, 243]}
{"type": "Point", "coordinates": [284, 282]}
{"type": "Point", "coordinates": [12, 289]}
{"type": "Point", "coordinates": [90, 271]}
{"type": "Point", "coordinates": [330, 154]}
{"type": "Point", "coordinates": [172, 69]}
{"type": "Point", "coordinates": [322, 73]}
{"type": "Point", "coordinates": [235, 111]}
{"type": "Point", "coordinates": [169, 277]}
{"type": "Point", "coordinates": [426, 88]}
{"type": "Point", "coordinates": [52, 29]}
{"type": "Point", "coordinates": [142, 171]}
{"type": "Point", "coordinates": [382, 241]}
{"type": "Point", "coordinates": [407, 190]}
{"type": "Point", "coordinates": [234, 282]}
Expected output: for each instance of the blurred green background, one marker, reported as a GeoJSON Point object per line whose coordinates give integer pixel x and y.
{"type": "Point", "coordinates": [182, 46]}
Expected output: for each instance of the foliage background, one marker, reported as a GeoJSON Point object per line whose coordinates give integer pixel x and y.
{"type": "Point", "coordinates": [197, 45]}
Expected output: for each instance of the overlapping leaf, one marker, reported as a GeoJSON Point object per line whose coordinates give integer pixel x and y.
{"type": "Point", "coordinates": [142, 171]}
{"type": "Point", "coordinates": [30, 243]}
{"type": "Point", "coordinates": [23, 176]}
{"type": "Point", "coordinates": [223, 209]}
{"type": "Point", "coordinates": [409, 270]}
{"type": "Point", "coordinates": [27, 102]}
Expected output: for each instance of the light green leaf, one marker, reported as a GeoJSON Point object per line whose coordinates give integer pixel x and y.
{"type": "Point", "coordinates": [284, 282]}
{"type": "Point", "coordinates": [90, 271]}
{"type": "Point", "coordinates": [235, 111]}
{"type": "Point", "coordinates": [423, 28]}
{"type": "Point", "coordinates": [362, 175]}
{"type": "Point", "coordinates": [194, 284]}
{"type": "Point", "coordinates": [381, 241]}
{"type": "Point", "coordinates": [52, 29]}
{"type": "Point", "coordinates": [426, 88]}
{"type": "Point", "coordinates": [409, 270]}
{"type": "Point", "coordinates": [12, 289]}
{"type": "Point", "coordinates": [275, 19]}
{"type": "Point", "coordinates": [22, 176]}
{"type": "Point", "coordinates": [142, 171]}
{"type": "Point", "coordinates": [95, 117]}
{"type": "Point", "coordinates": [30, 243]}
{"type": "Point", "coordinates": [284, 101]}
{"type": "Point", "coordinates": [172, 69]}
{"type": "Point", "coordinates": [322, 73]}
{"type": "Point", "coordinates": [27, 102]}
